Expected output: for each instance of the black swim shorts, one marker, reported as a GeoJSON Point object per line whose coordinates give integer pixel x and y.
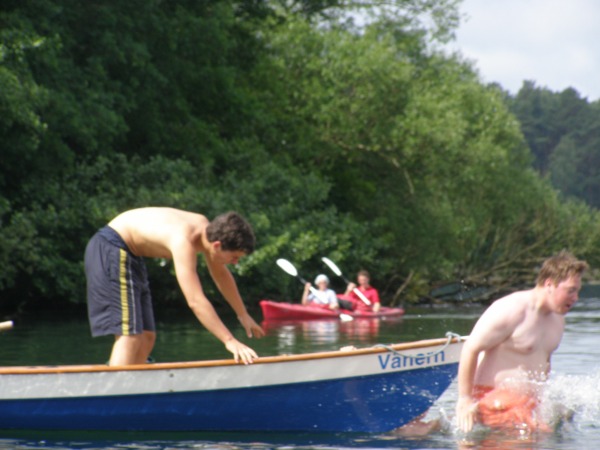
{"type": "Point", "coordinates": [118, 293]}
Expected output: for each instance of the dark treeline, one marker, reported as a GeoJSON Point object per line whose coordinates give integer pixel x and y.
{"type": "Point", "coordinates": [563, 132]}
{"type": "Point", "coordinates": [362, 144]}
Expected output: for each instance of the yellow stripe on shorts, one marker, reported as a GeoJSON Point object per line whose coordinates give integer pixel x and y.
{"type": "Point", "coordinates": [123, 283]}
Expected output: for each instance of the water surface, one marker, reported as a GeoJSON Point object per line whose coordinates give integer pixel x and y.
{"type": "Point", "coordinates": [575, 382]}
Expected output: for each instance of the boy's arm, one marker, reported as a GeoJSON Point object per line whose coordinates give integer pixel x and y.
{"type": "Point", "coordinates": [305, 294]}
{"type": "Point", "coordinates": [228, 287]}
{"type": "Point", "coordinates": [185, 262]}
{"type": "Point", "coordinates": [466, 406]}
{"type": "Point", "coordinates": [375, 300]}
{"type": "Point", "coordinates": [351, 286]}
{"type": "Point", "coordinates": [494, 326]}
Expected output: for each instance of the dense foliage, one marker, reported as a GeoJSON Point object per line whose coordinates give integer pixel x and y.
{"type": "Point", "coordinates": [357, 143]}
{"type": "Point", "coordinates": [563, 132]}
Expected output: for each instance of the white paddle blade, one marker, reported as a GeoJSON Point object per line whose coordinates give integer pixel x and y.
{"type": "Point", "coordinates": [6, 325]}
{"type": "Point", "coordinates": [335, 269]}
{"type": "Point", "coordinates": [346, 317]}
{"type": "Point", "coordinates": [287, 267]}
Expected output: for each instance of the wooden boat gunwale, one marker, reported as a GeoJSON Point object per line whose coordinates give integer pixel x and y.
{"type": "Point", "coordinates": [29, 370]}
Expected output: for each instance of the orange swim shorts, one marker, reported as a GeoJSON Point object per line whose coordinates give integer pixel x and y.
{"type": "Point", "coordinates": [505, 408]}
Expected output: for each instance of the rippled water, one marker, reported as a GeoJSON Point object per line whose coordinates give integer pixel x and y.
{"type": "Point", "coordinates": [574, 384]}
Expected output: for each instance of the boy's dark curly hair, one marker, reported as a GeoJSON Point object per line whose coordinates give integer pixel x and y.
{"type": "Point", "coordinates": [233, 231]}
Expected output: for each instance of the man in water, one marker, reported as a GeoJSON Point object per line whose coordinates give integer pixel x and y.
{"type": "Point", "coordinates": [508, 352]}
{"type": "Point", "coordinates": [119, 301]}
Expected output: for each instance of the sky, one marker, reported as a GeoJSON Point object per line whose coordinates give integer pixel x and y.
{"type": "Point", "coordinates": [555, 43]}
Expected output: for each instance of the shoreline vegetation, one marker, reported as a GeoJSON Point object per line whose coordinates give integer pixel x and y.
{"type": "Point", "coordinates": [364, 143]}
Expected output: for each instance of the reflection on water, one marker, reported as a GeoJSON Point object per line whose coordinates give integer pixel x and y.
{"type": "Point", "coordinates": [328, 334]}
{"type": "Point", "coordinates": [574, 385]}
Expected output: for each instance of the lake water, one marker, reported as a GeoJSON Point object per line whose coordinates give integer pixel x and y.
{"type": "Point", "coordinates": [575, 381]}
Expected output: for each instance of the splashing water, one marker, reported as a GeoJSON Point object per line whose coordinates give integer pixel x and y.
{"type": "Point", "coordinates": [570, 404]}
{"type": "Point", "coordinates": [572, 399]}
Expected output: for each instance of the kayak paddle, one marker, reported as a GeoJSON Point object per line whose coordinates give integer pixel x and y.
{"type": "Point", "coordinates": [336, 270]}
{"type": "Point", "coordinates": [290, 269]}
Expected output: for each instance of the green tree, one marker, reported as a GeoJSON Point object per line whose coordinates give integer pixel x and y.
{"type": "Point", "coordinates": [415, 146]}
{"type": "Point", "coordinates": [563, 131]}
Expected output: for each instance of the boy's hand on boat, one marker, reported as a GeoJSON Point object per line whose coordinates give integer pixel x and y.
{"type": "Point", "coordinates": [241, 352]}
{"type": "Point", "coordinates": [251, 327]}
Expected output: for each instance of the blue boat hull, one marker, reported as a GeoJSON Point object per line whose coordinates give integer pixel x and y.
{"type": "Point", "coordinates": [374, 389]}
{"type": "Point", "coordinates": [333, 405]}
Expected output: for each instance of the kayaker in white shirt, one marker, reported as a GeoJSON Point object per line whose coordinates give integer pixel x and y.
{"type": "Point", "coordinates": [323, 296]}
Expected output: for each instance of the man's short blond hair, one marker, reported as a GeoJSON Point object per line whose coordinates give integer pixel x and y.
{"type": "Point", "coordinates": [561, 267]}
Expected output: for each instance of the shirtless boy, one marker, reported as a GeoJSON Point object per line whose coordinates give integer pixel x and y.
{"type": "Point", "coordinates": [508, 352]}
{"type": "Point", "coordinates": [119, 301]}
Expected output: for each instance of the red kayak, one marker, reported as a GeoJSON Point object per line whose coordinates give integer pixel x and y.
{"type": "Point", "coordinates": [287, 311]}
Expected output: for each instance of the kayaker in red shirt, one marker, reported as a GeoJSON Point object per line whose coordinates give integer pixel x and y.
{"type": "Point", "coordinates": [364, 286]}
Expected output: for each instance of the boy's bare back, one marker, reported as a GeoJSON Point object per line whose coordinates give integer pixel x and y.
{"type": "Point", "coordinates": [154, 232]}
